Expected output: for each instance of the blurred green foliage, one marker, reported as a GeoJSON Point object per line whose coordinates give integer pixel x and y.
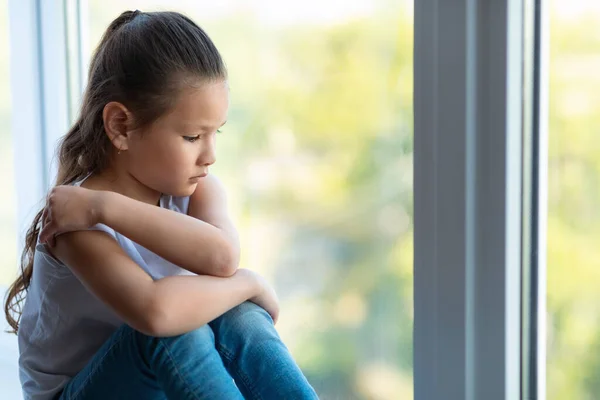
{"type": "Point", "coordinates": [574, 205]}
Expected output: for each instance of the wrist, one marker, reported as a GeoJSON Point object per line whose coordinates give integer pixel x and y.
{"type": "Point", "coordinates": [251, 280]}
{"type": "Point", "coordinates": [99, 207]}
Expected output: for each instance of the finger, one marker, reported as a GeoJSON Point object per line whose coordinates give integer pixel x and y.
{"type": "Point", "coordinates": [47, 231]}
{"type": "Point", "coordinates": [56, 234]}
{"type": "Point", "coordinates": [45, 217]}
{"type": "Point", "coordinates": [42, 237]}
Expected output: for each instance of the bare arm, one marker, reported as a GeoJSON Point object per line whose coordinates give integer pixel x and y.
{"type": "Point", "coordinates": [185, 241]}
{"type": "Point", "coordinates": [166, 307]}
{"type": "Point", "coordinates": [208, 203]}
{"type": "Point", "coordinates": [203, 242]}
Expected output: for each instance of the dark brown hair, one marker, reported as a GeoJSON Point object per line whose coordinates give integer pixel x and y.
{"type": "Point", "coordinates": [142, 61]}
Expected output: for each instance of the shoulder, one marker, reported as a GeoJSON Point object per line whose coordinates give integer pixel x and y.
{"type": "Point", "coordinates": [209, 190]}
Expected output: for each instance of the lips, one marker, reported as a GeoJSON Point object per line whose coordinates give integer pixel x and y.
{"type": "Point", "coordinates": [200, 176]}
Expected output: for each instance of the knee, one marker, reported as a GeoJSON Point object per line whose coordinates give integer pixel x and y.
{"type": "Point", "coordinates": [249, 320]}
{"type": "Point", "coordinates": [200, 339]}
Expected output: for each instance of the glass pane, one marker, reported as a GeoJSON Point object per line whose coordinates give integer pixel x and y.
{"type": "Point", "coordinates": [317, 158]}
{"type": "Point", "coordinates": [8, 206]}
{"type": "Point", "coordinates": [9, 379]}
{"type": "Point", "coordinates": [574, 202]}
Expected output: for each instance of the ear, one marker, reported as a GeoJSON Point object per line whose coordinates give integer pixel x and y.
{"type": "Point", "coordinates": [117, 120]}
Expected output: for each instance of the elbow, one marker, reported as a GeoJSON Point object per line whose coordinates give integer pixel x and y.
{"type": "Point", "coordinates": [153, 327]}
{"type": "Point", "coordinates": [226, 263]}
{"type": "Point", "coordinates": [225, 267]}
{"type": "Point", "coordinates": [153, 322]}
{"type": "Point", "coordinates": [150, 329]}
{"type": "Point", "coordinates": [225, 272]}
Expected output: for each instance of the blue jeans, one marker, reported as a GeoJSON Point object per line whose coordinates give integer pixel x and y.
{"type": "Point", "coordinates": [240, 345]}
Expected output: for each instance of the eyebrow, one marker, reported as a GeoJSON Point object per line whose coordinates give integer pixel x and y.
{"type": "Point", "coordinates": [205, 127]}
{"type": "Point", "coordinates": [201, 127]}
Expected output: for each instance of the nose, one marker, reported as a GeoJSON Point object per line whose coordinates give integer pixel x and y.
{"type": "Point", "coordinates": [208, 155]}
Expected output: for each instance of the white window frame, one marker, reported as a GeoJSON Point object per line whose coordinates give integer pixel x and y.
{"type": "Point", "coordinates": [39, 35]}
{"type": "Point", "coordinates": [39, 95]}
{"type": "Point", "coordinates": [542, 226]}
{"type": "Point", "coordinates": [535, 201]}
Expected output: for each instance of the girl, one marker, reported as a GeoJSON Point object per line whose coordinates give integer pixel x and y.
{"type": "Point", "coordinates": [132, 285]}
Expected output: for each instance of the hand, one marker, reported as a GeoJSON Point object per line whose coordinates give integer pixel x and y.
{"type": "Point", "coordinates": [69, 208]}
{"type": "Point", "coordinates": [265, 296]}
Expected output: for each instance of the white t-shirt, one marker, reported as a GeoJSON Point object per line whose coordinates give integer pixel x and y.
{"type": "Point", "coordinates": [63, 324]}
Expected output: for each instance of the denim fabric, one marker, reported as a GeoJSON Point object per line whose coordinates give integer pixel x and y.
{"type": "Point", "coordinates": [242, 345]}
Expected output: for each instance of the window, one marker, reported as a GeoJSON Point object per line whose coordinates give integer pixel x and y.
{"type": "Point", "coordinates": [318, 158]}
{"type": "Point", "coordinates": [573, 326]}
{"type": "Point", "coordinates": [8, 210]}
{"type": "Point", "coordinates": [317, 155]}
{"type": "Point", "coordinates": [8, 220]}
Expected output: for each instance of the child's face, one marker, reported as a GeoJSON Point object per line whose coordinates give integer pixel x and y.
{"type": "Point", "coordinates": [173, 153]}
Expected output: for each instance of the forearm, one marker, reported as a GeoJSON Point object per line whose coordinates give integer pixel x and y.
{"type": "Point", "coordinates": [184, 303]}
{"type": "Point", "coordinates": [168, 306]}
{"type": "Point", "coordinates": [183, 240]}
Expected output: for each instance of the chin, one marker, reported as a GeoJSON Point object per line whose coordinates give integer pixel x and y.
{"type": "Point", "coordinates": [181, 189]}
{"type": "Point", "coordinates": [188, 190]}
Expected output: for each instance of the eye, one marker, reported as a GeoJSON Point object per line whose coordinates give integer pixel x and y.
{"type": "Point", "coordinates": [219, 131]}
{"type": "Point", "coordinates": [192, 139]}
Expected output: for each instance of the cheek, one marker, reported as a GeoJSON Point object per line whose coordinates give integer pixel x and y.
{"type": "Point", "coordinates": [150, 157]}
{"type": "Point", "coordinates": [165, 160]}
{"type": "Point", "coordinates": [177, 159]}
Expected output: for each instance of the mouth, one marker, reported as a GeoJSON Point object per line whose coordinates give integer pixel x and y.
{"type": "Point", "coordinates": [200, 176]}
